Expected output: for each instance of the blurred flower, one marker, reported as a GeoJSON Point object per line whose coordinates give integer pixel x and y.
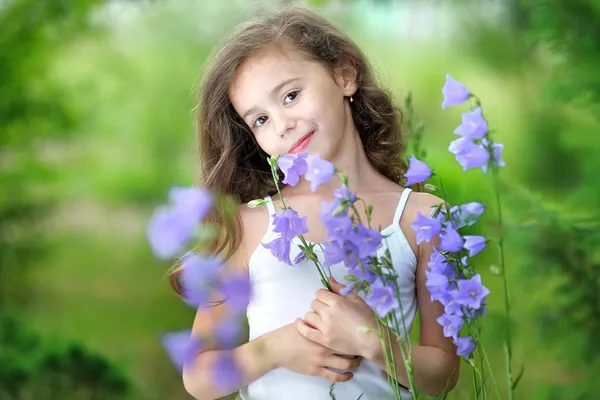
{"type": "Point", "coordinates": [338, 228]}
{"type": "Point", "coordinates": [473, 126]}
{"type": "Point", "coordinates": [366, 240]}
{"type": "Point", "coordinates": [293, 166]}
{"type": "Point", "coordinates": [344, 194]}
{"type": "Point", "coordinates": [468, 214]}
{"type": "Point", "coordinates": [332, 208]}
{"type": "Point", "coordinates": [363, 273]}
{"type": "Point", "coordinates": [300, 257]}
{"type": "Point", "coordinates": [288, 224]}
{"type": "Point", "coordinates": [237, 290]}
{"type": "Point", "coordinates": [280, 248]}
{"type": "Point", "coordinates": [226, 373]}
{"type": "Point", "coordinates": [334, 253]}
{"type": "Point", "coordinates": [198, 273]}
{"type": "Point", "coordinates": [455, 93]}
{"type": "Point", "coordinates": [417, 171]}
{"type": "Point", "coordinates": [181, 347]}
{"type": "Point", "coordinates": [471, 292]}
{"type": "Point", "coordinates": [474, 244]}
{"type": "Point", "coordinates": [425, 227]}
{"type": "Point", "coordinates": [382, 298]}
{"type": "Point", "coordinates": [450, 240]}
{"type": "Point", "coordinates": [228, 332]}
{"type": "Point", "coordinates": [469, 154]}
{"type": "Point", "coordinates": [452, 324]}
{"type": "Point", "coordinates": [465, 346]}
{"type": "Point", "coordinates": [172, 226]}
{"type": "Point", "coordinates": [319, 171]}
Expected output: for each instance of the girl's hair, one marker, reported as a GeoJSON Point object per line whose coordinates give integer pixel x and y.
{"type": "Point", "coordinates": [231, 162]}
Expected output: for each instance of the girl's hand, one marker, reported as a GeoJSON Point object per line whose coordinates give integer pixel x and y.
{"type": "Point", "coordinates": [288, 349]}
{"type": "Point", "coordinates": [335, 320]}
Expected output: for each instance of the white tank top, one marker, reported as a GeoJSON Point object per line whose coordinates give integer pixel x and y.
{"type": "Point", "coordinates": [282, 293]}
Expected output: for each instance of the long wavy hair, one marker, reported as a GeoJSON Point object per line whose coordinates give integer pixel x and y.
{"type": "Point", "coordinates": [231, 162]}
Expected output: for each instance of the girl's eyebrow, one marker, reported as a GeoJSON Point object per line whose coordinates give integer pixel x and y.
{"type": "Point", "coordinates": [273, 91]}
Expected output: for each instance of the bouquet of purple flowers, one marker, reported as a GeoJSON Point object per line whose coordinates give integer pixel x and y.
{"type": "Point", "coordinates": [451, 279]}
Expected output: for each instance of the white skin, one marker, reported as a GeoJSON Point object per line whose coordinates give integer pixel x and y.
{"type": "Point", "coordinates": [282, 96]}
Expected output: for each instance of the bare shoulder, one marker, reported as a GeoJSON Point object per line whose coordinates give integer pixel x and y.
{"type": "Point", "coordinates": [255, 222]}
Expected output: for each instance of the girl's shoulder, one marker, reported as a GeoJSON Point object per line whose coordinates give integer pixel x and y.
{"type": "Point", "coordinates": [421, 202]}
{"type": "Point", "coordinates": [255, 223]}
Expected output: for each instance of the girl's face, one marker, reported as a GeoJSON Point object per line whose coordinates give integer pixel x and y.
{"type": "Point", "coordinates": [293, 104]}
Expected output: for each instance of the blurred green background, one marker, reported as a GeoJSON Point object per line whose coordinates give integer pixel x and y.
{"type": "Point", "coordinates": [96, 123]}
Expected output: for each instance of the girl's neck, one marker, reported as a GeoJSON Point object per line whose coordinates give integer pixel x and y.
{"type": "Point", "coordinates": [351, 159]}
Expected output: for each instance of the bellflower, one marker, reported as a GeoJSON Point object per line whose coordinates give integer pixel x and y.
{"type": "Point", "coordinates": [437, 284]}
{"type": "Point", "coordinates": [471, 292]}
{"type": "Point", "coordinates": [455, 93]}
{"type": "Point", "coordinates": [469, 213]}
{"type": "Point", "coordinates": [293, 166]}
{"type": "Point", "coordinates": [331, 209]}
{"type": "Point", "coordinates": [280, 248]}
{"type": "Point", "coordinates": [228, 332]}
{"type": "Point", "coordinates": [382, 298]}
{"type": "Point", "coordinates": [452, 324]}
{"type": "Point", "coordinates": [438, 264]}
{"type": "Point", "coordinates": [465, 346]}
{"type": "Point", "coordinates": [425, 227]}
{"type": "Point", "coordinates": [171, 227]}
{"type": "Point", "coordinates": [226, 373]}
{"type": "Point", "coordinates": [338, 227]}
{"type": "Point", "coordinates": [334, 253]}
{"type": "Point", "coordinates": [450, 240]}
{"type": "Point", "coordinates": [448, 300]}
{"type": "Point", "coordinates": [473, 126]}
{"type": "Point", "coordinates": [363, 273]}
{"type": "Point", "coordinates": [237, 291]}
{"type": "Point", "coordinates": [469, 154]}
{"type": "Point", "coordinates": [288, 224]}
{"type": "Point", "coordinates": [198, 273]}
{"type": "Point", "coordinates": [319, 171]}
{"type": "Point", "coordinates": [417, 171]}
{"type": "Point", "coordinates": [366, 240]}
{"type": "Point", "coordinates": [474, 244]}
{"type": "Point", "coordinates": [344, 194]}
{"type": "Point", "coordinates": [181, 347]}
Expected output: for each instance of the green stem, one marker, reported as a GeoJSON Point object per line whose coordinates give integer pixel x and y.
{"type": "Point", "coordinates": [487, 361]}
{"type": "Point", "coordinates": [508, 345]}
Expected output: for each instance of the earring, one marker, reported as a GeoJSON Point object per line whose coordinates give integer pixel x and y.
{"type": "Point", "coordinates": [351, 99]}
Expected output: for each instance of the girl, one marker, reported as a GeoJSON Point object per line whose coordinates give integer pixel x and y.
{"type": "Point", "coordinates": [286, 83]}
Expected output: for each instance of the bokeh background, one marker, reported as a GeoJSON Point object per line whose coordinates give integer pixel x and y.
{"type": "Point", "coordinates": [96, 123]}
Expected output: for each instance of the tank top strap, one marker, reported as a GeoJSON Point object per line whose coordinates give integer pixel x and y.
{"type": "Point", "coordinates": [401, 206]}
{"type": "Point", "coordinates": [272, 211]}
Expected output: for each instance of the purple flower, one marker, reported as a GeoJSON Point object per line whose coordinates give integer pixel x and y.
{"type": "Point", "coordinates": [455, 93]}
{"type": "Point", "coordinates": [293, 166]}
{"type": "Point", "coordinates": [450, 240]}
{"type": "Point", "coordinates": [226, 373]}
{"type": "Point", "coordinates": [181, 347]}
{"type": "Point", "coordinates": [438, 264]}
{"type": "Point", "coordinates": [366, 240]}
{"type": "Point", "coordinates": [363, 273]}
{"type": "Point", "coordinates": [417, 172]}
{"type": "Point", "coordinates": [280, 248]}
{"type": "Point", "coordinates": [300, 257]}
{"type": "Point", "coordinates": [228, 332]}
{"type": "Point", "coordinates": [338, 227]}
{"type": "Point", "coordinates": [334, 253]}
{"type": "Point", "coordinates": [496, 152]}
{"type": "Point", "coordinates": [448, 300]}
{"type": "Point", "coordinates": [425, 227]}
{"type": "Point", "coordinates": [237, 291]}
{"type": "Point", "coordinates": [382, 299]}
{"type": "Point", "coordinates": [288, 224]}
{"type": "Point", "coordinates": [473, 126]}
{"type": "Point", "coordinates": [469, 213]}
{"type": "Point", "coordinates": [465, 346]}
{"type": "Point", "coordinates": [319, 171]}
{"type": "Point", "coordinates": [474, 244]}
{"type": "Point", "coordinates": [169, 230]}
{"type": "Point", "coordinates": [331, 209]}
{"type": "Point", "coordinates": [471, 292]}
{"type": "Point", "coordinates": [452, 324]}
{"type": "Point", "coordinates": [469, 154]}
{"type": "Point", "coordinates": [198, 274]}
{"type": "Point", "coordinates": [343, 194]}
{"type": "Point", "coordinates": [171, 227]}
{"type": "Point", "coordinates": [437, 284]}
{"type": "Point", "coordinates": [195, 202]}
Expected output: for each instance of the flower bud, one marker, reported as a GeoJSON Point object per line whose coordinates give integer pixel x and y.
{"type": "Point", "coordinates": [256, 203]}
{"type": "Point", "coordinates": [429, 188]}
{"type": "Point", "coordinates": [495, 270]}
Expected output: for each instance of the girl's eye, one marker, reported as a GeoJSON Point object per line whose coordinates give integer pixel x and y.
{"type": "Point", "coordinates": [260, 121]}
{"type": "Point", "coordinates": [291, 96]}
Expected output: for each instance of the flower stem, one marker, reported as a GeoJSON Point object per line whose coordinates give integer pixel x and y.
{"type": "Point", "coordinates": [508, 346]}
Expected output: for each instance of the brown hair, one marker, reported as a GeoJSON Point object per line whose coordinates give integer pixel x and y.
{"type": "Point", "coordinates": [231, 162]}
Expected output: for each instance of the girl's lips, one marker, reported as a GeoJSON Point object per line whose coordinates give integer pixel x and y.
{"type": "Point", "coordinates": [301, 144]}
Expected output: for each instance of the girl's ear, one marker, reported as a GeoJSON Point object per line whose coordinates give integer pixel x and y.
{"type": "Point", "coordinates": [346, 76]}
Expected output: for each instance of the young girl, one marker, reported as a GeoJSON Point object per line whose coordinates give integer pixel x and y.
{"type": "Point", "coordinates": [286, 83]}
